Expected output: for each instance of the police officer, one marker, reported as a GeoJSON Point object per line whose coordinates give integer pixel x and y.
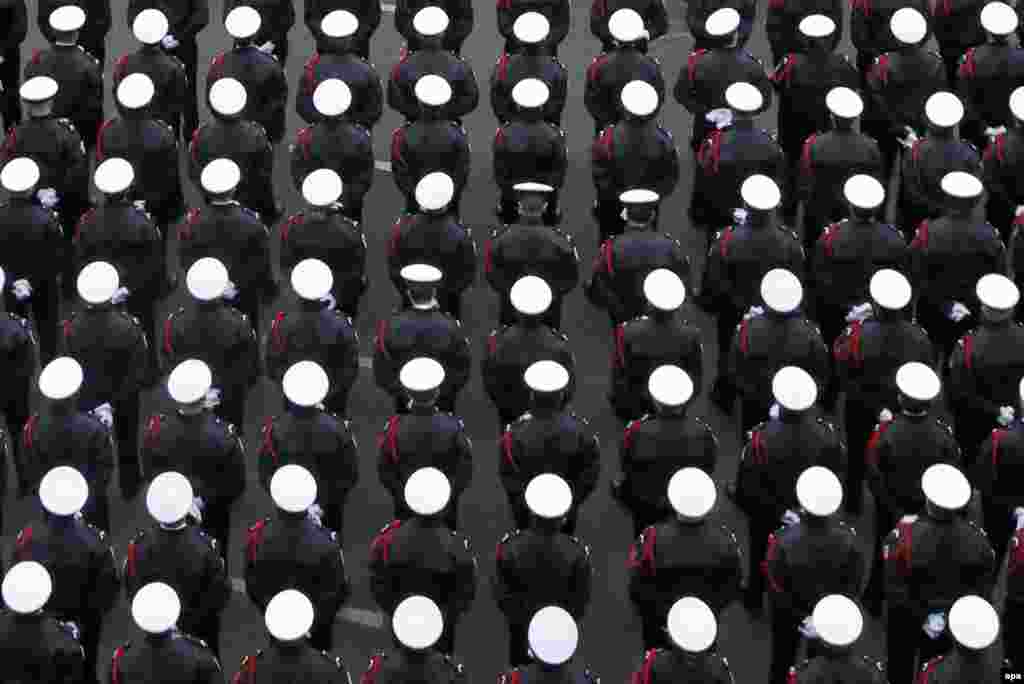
{"type": "Point", "coordinates": [662, 336]}
{"type": "Point", "coordinates": [315, 330]}
{"type": "Point", "coordinates": [1000, 170]}
{"type": "Point", "coordinates": [957, 27]}
{"type": "Point", "coordinates": [20, 353]}
{"type": "Point", "coordinates": [931, 560]}
{"type": "Point", "coordinates": [417, 626]}
{"type": "Point", "coordinates": [14, 19]}
{"type": "Point", "coordinates": [62, 434]}
{"type": "Point", "coordinates": [165, 655]}
{"type": "Point", "coordinates": [814, 557]}
{"type": "Point", "coordinates": [782, 25]}
{"type": "Point", "coordinates": [193, 441]}
{"type": "Point", "coordinates": [342, 26]}
{"type": "Point", "coordinates": [36, 646]}
{"type": "Point", "coordinates": [684, 555]}
{"type": "Point", "coordinates": [459, 24]}
{"type": "Point", "coordinates": [529, 58]}
{"type": "Point", "coordinates": [974, 627]}
{"type": "Point", "coordinates": [218, 334]}
{"type": "Point", "coordinates": [434, 236]}
{"type": "Point", "coordinates": [277, 19]}
{"type": "Point", "coordinates": [995, 466]}
{"type": "Point", "coordinates": [653, 13]}
{"type": "Point", "coordinates": [551, 439]}
{"type": "Point", "coordinates": [363, 103]}
{"type": "Point", "coordinates": [539, 565]}
{"type": "Point", "coordinates": [693, 631]}
{"type": "Point", "coordinates": [513, 348]}
{"type": "Point", "coordinates": [838, 622]}
{"type": "Point", "coordinates": [421, 330]}
{"type": "Point", "coordinates": [527, 25]}
{"type": "Point", "coordinates": [422, 555]}
{"type": "Point", "coordinates": [181, 555]}
{"type": "Point", "coordinates": [553, 636]}
{"type": "Point", "coordinates": [869, 28]}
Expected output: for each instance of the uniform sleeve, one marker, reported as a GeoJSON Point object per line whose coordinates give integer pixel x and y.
{"type": "Point", "coordinates": [400, 169]}
{"type": "Point", "coordinates": [464, 451]}
{"type": "Point", "coordinates": [465, 577]}
{"type": "Point", "coordinates": [465, 274]}
{"type": "Point", "coordinates": [196, 21]}
{"type": "Point", "coordinates": [102, 452]}
{"type": "Point", "coordinates": [590, 472]}
{"type": "Point", "coordinates": [245, 362]}
{"type": "Point", "coordinates": [107, 581]}
{"type": "Point", "coordinates": [70, 661]}
{"type": "Point", "coordinates": [345, 359]}
{"type": "Point", "coordinates": [338, 588]}
{"type": "Point", "coordinates": [234, 469]}
{"type": "Point", "coordinates": [345, 466]}
{"type": "Point", "coordinates": [964, 390]}
{"type": "Point", "coordinates": [398, 98]}
{"type": "Point", "coordinates": [599, 290]}
{"type": "Point", "coordinates": [460, 360]}
{"type": "Point", "coordinates": [100, 16]}
{"type": "Point", "coordinates": [216, 587]}
{"type": "Point", "coordinates": [209, 669]}
{"type": "Point", "coordinates": [500, 587]}
{"type": "Point", "coordinates": [468, 95]}
{"type": "Point", "coordinates": [656, 21]}
{"type": "Point", "coordinates": [15, 33]}
{"type": "Point", "coordinates": [582, 582]}
{"type": "Point", "coordinates": [385, 371]}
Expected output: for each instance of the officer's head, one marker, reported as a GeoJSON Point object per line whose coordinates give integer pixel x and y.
{"type": "Point", "coordinates": [433, 92]}
{"type": "Point", "coordinates": [865, 196]}
{"type": "Point", "coordinates": [531, 298]}
{"type": "Point", "coordinates": [530, 95]}
{"type": "Point", "coordinates": [691, 625]}
{"type": "Point", "coordinates": [973, 624]}
{"type": "Point", "coordinates": [188, 384]}
{"type": "Point", "coordinates": [242, 24]}
{"type": "Point", "coordinates": [169, 499]}
{"type": "Point", "coordinates": [692, 495]}
{"type": "Point", "coordinates": [908, 27]}
{"type": "Point", "coordinates": [135, 96]}
{"type": "Point", "coordinates": [745, 101]}
{"type": "Point", "coordinates": [553, 636]}
{"type": "Point", "coordinates": [723, 26]}
{"type": "Point", "coordinates": [838, 621]}
{"type": "Point", "coordinates": [66, 22]}
{"type": "Point", "coordinates": [150, 26]}
{"type": "Point", "coordinates": [944, 112]}
{"type": "Point", "coordinates": [227, 99]}
{"type": "Point", "coordinates": [156, 609]}
{"type": "Point", "coordinates": [761, 198]}
{"type": "Point", "coordinates": [844, 106]}
{"type": "Point", "coordinates": [627, 29]}
{"type": "Point", "coordinates": [421, 283]}
{"type": "Point", "coordinates": [339, 29]}
{"type": "Point", "coordinates": [918, 386]}
{"type": "Point", "coordinates": [1017, 106]}
{"type": "Point", "coordinates": [664, 292]}
{"type": "Point", "coordinates": [322, 189]}
{"type": "Point", "coordinates": [421, 379]}
{"type": "Point", "coordinates": [305, 385]}
{"type": "Point", "coordinates": [434, 193]}
{"type": "Point", "coordinates": [293, 489]}
{"type": "Point", "coordinates": [206, 280]}
{"type": "Point", "coordinates": [430, 25]}
{"type": "Point", "coordinates": [312, 281]}
{"type": "Point", "coordinates": [998, 296]}
{"type": "Point", "coordinates": [639, 208]}
{"type": "Point", "coordinates": [548, 497]}
{"type": "Point", "coordinates": [781, 292]}
{"type": "Point", "coordinates": [417, 624]}
{"type": "Point", "coordinates": [63, 492]}
{"type": "Point", "coordinates": [816, 31]}
{"type": "Point", "coordinates": [61, 380]}
{"type": "Point", "coordinates": [946, 491]}
{"type": "Point", "coordinates": [531, 30]}
{"type": "Point", "coordinates": [219, 180]}
{"type": "Point", "coordinates": [114, 177]}
{"type": "Point", "coordinates": [999, 21]}
{"type": "Point", "coordinates": [639, 101]}
{"type": "Point", "coordinates": [20, 176]}
{"type": "Point", "coordinates": [427, 493]}
{"type": "Point", "coordinates": [547, 381]}
{"type": "Point", "coordinates": [671, 389]}
{"type": "Point", "coordinates": [27, 587]}
{"type": "Point", "coordinates": [794, 390]}
{"type": "Point", "coordinates": [37, 94]}
{"type": "Point", "coordinates": [532, 201]}
{"type": "Point", "coordinates": [890, 294]}
{"type": "Point", "coordinates": [289, 616]}
{"type": "Point", "coordinates": [97, 284]}
{"type": "Point", "coordinates": [332, 98]}
{"type": "Point", "coordinates": [819, 493]}
{"type": "Point", "coordinates": [962, 191]}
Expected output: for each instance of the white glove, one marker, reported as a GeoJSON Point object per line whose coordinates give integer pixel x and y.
{"type": "Point", "coordinates": [740, 216]}
{"type": "Point", "coordinates": [993, 132]}
{"type": "Point", "coordinates": [790, 517]}
{"type": "Point", "coordinates": [910, 139]}
{"type": "Point", "coordinates": [212, 398]}
{"type": "Point", "coordinates": [121, 295]}
{"type": "Point", "coordinates": [1006, 414]}
{"type": "Point", "coordinates": [1018, 513]}
{"type": "Point", "coordinates": [958, 312]}
{"type": "Point", "coordinates": [105, 414]}
{"type": "Point", "coordinates": [140, 205]}
{"type": "Point", "coordinates": [754, 312]}
{"type": "Point", "coordinates": [48, 197]}
{"type": "Point", "coordinates": [169, 42]}
{"type": "Point", "coordinates": [885, 416]}
{"type": "Point", "coordinates": [267, 48]}
{"type": "Point", "coordinates": [1019, 210]}
{"type": "Point", "coordinates": [330, 301]}
{"type": "Point", "coordinates": [196, 509]}
{"type": "Point", "coordinates": [721, 117]}
{"type": "Point", "coordinates": [774, 411]}
{"type": "Point", "coordinates": [22, 289]}
{"type": "Point", "coordinates": [935, 625]}
{"type": "Point", "coordinates": [315, 513]}
{"type": "Point", "coordinates": [230, 292]}
{"type": "Point", "coordinates": [859, 312]}
{"type": "Point", "coordinates": [807, 628]}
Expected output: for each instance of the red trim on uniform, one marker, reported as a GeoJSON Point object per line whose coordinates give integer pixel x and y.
{"type": "Point", "coordinates": [100, 153]}
{"type": "Point", "coordinates": [395, 70]}
{"type": "Point", "coordinates": [305, 141]}
{"type": "Point", "coordinates": [397, 140]}
{"type": "Point", "coordinates": [915, 151]}
{"type": "Point", "coordinates": [36, 56]}
{"type": "Point", "coordinates": [969, 68]}
{"type": "Point", "coordinates": [969, 351]}
{"type": "Point", "coordinates": [608, 256]}
{"type": "Point", "coordinates": [882, 68]}
{"type": "Point", "coordinates": [757, 454]}
{"type": "Point", "coordinates": [380, 547]}
{"type": "Point", "coordinates": [782, 75]}
{"type": "Point", "coordinates": [86, 217]}
{"type": "Point", "coordinates": [647, 669]}
{"type": "Point", "coordinates": [501, 68]}
{"type": "Point", "coordinates": [997, 437]}
{"type": "Point", "coordinates": [492, 344]}
{"type": "Point", "coordinates": [773, 546]}
{"type": "Point", "coordinates": [390, 439]}
{"type": "Point", "coordinates": [594, 70]}
{"type": "Point", "coordinates": [863, 5]}
{"type": "Point", "coordinates": [370, 676]}
{"type": "Point", "coordinates": [902, 555]}
{"type": "Point", "coordinates": [11, 142]}
{"type": "Point", "coordinates": [927, 670]}
{"type": "Point", "coordinates": [267, 445]}
{"type": "Point", "coordinates": [691, 63]}
{"type": "Point", "coordinates": [599, 8]}
{"type": "Point", "coordinates": [723, 242]}
{"type": "Point", "coordinates": [22, 542]}
{"type": "Point", "coordinates": [152, 433]}
{"type": "Point", "coordinates": [805, 154]}
{"type": "Point", "coordinates": [944, 8]}
{"type": "Point", "coordinates": [488, 258]}
{"type": "Point", "coordinates": [115, 666]}
{"type": "Point", "coordinates": [286, 229]}
{"type": "Point", "coordinates": [253, 539]}
{"type": "Point", "coordinates": [627, 434]}
{"type": "Point", "coordinates": [831, 233]}
{"type": "Point", "coordinates": [647, 554]}
{"type": "Point", "coordinates": [28, 433]}
{"type": "Point", "coordinates": [168, 331]}
{"type": "Point", "coordinates": [1001, 147]}
{"type": "Point", "coordinates": [711, 151]}
{"type": "Point", "coordinates": [279, 342]}
{"type": "Point", "coordinates": [920, 240]}
{"type": "Point", "coordinates": [506, 448]}
{"type": "Point", "coordinates": [68, 329]}
{"type": "Point", "coordinates": [193, 145]}
{"type": "Point", "coordinates": [381, 331]}
{"type": "Point", "coordinates": [503, 5]}
{"type": "Point", "coordinates": [499, 552]}
{"type": "Point", "coordinates": [744, 337]}
{"type": "Point", "coordinates": [396, 234]}
{"type": "Point", "coordinates": [499, 136]}
{"type": "Point", "coordinates": [191, 218]}
{"type": "Point", "coordinates": [603, 146]}
{"type": "Point", "coordinates": [309, 73]}
{"type": "Point", "coordinates": [131, 559]}
{"type": "Point", "coordinates": [620, 346]}
{"type": "Point", "coordinates": [871, 449]}
{"type": "Point", "coordinates": [216, 65]}
{"type": "Point", "coordinates": [1016, 562]}
{"type": "Point", "coordinates": [776, 4]}
{"type": "Point", "coordinates": [791, 678]}
{"type": "Point", "coordinates": [856, 336]}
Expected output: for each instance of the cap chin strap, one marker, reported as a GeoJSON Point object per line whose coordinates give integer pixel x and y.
{"type": "Point", "coordinates": [180, 525]}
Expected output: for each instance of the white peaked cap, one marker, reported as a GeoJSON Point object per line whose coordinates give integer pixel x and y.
{"type": "Point", "coordinates": [39, 89]}
{"type": "Point", "coordinates": [553, 635]}
{"type": "Point", "coordinates": [3, 279]}
{"type": "Point", "coordinates": [722, 22]}
{"type": "Point", "coordinates": [973, 622]}
{"type": "Point", "coordinates": [305, 383]}
{"type": "Point", "coordinates": [639, 196]}
{"type": "Point", "coordinates": [1017, 103]}
{"type": "Point", "coordinates": [946, 487]}
{"type": "Point", "coordinates": [60, 378]}
{"type": "Point", "coordinates": [548, 496]}
{"type": "Point", "coordinates": [864, 191]}
{"type": "Point", "coordinates": [844, 103]}
{"type": "Point", "coordinates": [819, 491]}
{"type": "Point", "coordinates": [332, 97]}
{"type": "Point", "coordinates": [433, 90]}
{"type": "Point", "coordinates": [113, 175]}
{"type": "Point", "coordinates": [692, 493]}
{"type": "Point", "coordinates": [421, 274]}
{"type": "Point", "coordinates": [816, 26]}
{"type": "Point", "coordinates": [63, 491]}
{"type": "Point", "coordinates": [744, 97]}
{"type": "Point", "coordinates": [670, 385]}
{"type": "Point", "coordinates": [531, 27]}
{"type": "Point", "coordinates": [999, 19]}
{"type": "Point", "coordinates": [794, 389]}
{"type": "Point", "coordinates": [664, 290]}
{"type": "Point", "coordinates": [890, 289]}
{"type": "Point", "coordinates": [421, 374]}
{"type": "Point", "coordinates": [961, 185]}
{"type": "Point", "coordinates": [169, 498]}
{"type": "Point", "coordinates": [312, 279]}
{"type": "Point", "coordinates": [944, 109]}
{"type": "Point", "coordinates": [19, 175]}
{"type": "Point", "coordinates": [530, 186]}
{"type": "Point", "coordinates": [427, 491]}
{"type": "Point", "coordinates": [289, 615]}
{"type": "Point", "coordinates": [207, 279]}
{"type": "Point", "coordinates": [639, 98]}
{"type": "Point", "coordinates": [838, 620]}
{"type": "Point", "coordinates": [293, 488]}
{"type": "Point", "coordinates": [781, 291]}
{"type": "Point", "coordinates": [243, 22]}
{"type": "Point", "coordinates": [908, 26]}
{"type": "Point", "coordinates": [997, 292]}
{"type": "Point", "coordinates": [546, 376]}
{"type": "Point", "coordinates": [918, 381]}
{"type": "Point", "coordinates": [417, 623]}
{"type": "Point", "coordinates": [692, 625]}
{"type": "Point", "coordinates": [760, 192]}
{"type": "Point", "coordinates": [98, 282]}
{"type": "Point", "coordinates": [189, 381]}
{"type": "Point", "coordinates": [67, 18]}
{"type": "Point", "coordinates": [530, 295]}
{"type": "Point", "coordinates": [156, 608]}
{"type": "Point", "coordinates": [339, 24]}
{"type": "Point", "coordinates": [626, 25]}
{"type": "Point", "coordinates": [135, 91]}
{"type": "Point", "coordinates": [27, 587]}
{"type": "Point", "coordinates": [531, 93]}
{"type": "Point", "coordinates": [1020, 390]}
{"type": "Point", "coordinates": [435, 191]}
{"type": "Point", "coordinates": [220, 176]}
{"type": "Point", "coordinates": [322, 187]}
{"type": "Point", "coordinates": [430, 21]}
{"type": "Point", "coordinates": [228, 96]}
{"type": "Point", "coordinates": [150, 26]}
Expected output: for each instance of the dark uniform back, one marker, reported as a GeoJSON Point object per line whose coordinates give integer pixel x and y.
{"type": "Point", "coordinates": [327, 234]}
{"type": "Point", "coordinates": [343, 147]}
{"type": "Point", "coordinates": [460, 16]}
{"type": "Point", "coordinates": [606, 76]}
{"type": "Point", "coordinates": [998, 465]}
{"type": "Point", "coordinates": [528, 150]}
{"type": "Point", "coordinates": [283, 660]}
{"type": "Point", "coordinates": [277, 17]}
{"type": "Point", "coordinates": [165, 659]}
{"type": "Point", "coordinates": [653, 12]}
{"type": "Point", "coordinates": [782, 19]}
{"type": "Point", "coordinates": [93, 35]}
{"type": "Point", "coordinates": [1001, 171]}
{"type": "Point", "coordinates": [38, 649]}
{"type": "Point", "coordinates": [697, 14]}
{"type": "Point", "coordinates": [931, 158]}
{"type": "Point", "coordinates": [413, 667]}
{"type": "Point", "coordinates": [986, 77]}
{"type": "Point", "coordinates": [510, 351]}
{"type": "Point", "coordinates": [245, 143]}
{"type": "Point", "coordinates": [79, 76]}
{"type": "Point", "coordinates": [14, 20]}
{"type": "Point", "coordinates": [170, 81]}
{"type": "Point", "coordinates": [369, 14]}
{"type": "Point", "coordinates": [414, 65]}
{"type": "Point", "coordinates": [427, 146]}
{"type": "Point", "coordinates": [264, 81]}
{"type": "Point", "coordinates": [869, 28]}
{"type": "Point", "coordinates": [18, 353]}
{"type": "Point", "coordinates": [546, 674]}
{"type": "Point", "coordinates": [957, 27]}
{"type": "Point", "coordinates": [845, 668]}
{"type": "Point", "coordinates": [441, 241]}
{"type": "Point", "coordinates": [664, 665]}
{"type": "Point", "coordinates": [357, 73]}
{"type": "Point", "coordinates": [510, 69]}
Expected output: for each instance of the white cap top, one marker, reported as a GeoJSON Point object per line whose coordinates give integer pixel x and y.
{"type": "Point", "coordinates": [20, 174]}
{"type": "Point", "coordinates": [417, 623]}
{"type": "Point", "coordinates": [305, 383]}
{"type": "Point", "coordinates": [421, 274]}
{"type": "Point", "coordinates": [169, 498]}
{"type": "Point", "coordinates": [531, 27]}
{"type": "Point", "coordinates": [63, 491]}
{"type": "Point", "coordinates": [312, 279]}
{"type": "Point", "coordinates": [220, 176]}
{"type": "Point", "coordinates": [760, 192]}
{"type": "Point", "coordinates": [816, 26]}
{"type": "Point", "coordinates": [322, 187]}
{"type": "Point", "coordinates": [794, 389]}
{"type": "Point", "coordinates": [243, 22]}
{"type": "Point", "coordinates": [691, 493]}
{"type": "Point", "coordinates": [837, 620]}
{"type": "Point", "coordinates": [819, 491]}
{"type": "Point", "coordinates": [908, 26]}
{"type": "Point", "coordinates": [38, 89]}
{"type": "Point", "coordinates": [781, 291]}
{"type": "Point", "coordinates": [890, 289]}
{"type": "Point", "coordinates": [664, 290]}
{"type": "Point", "coordinates": [844, 103]}
{"type": "Point", "coordinates": [60, 378]}
{"type": "Point", "coordinates": [339, 24]}
{"type": "Point", "coordinates": [692, 625]}
{"type": "Point", "coordinates": [27, 587]}
{"type": "Point", "coordinates": [430, 21]}
{"type": "Point", "coordinates": [530, 186]}
{"type": "Point", "coordinates": [670, 385]}
{"type": "Point", "coordinates": [433, 90]}
{"type": "Point", "coordinates": [421, 374]}
{"type": "Point", "coordinates": [427, 491]}
{"type": "Point", "coordinates": [228, 96]}
{"type": "Point", "coordinates": [973, 622]}
{"type": "Point", "coordinates": [548, 496]}
{"type": "Point", "coordinates": [531, 93]}
{"type": "Point", "coordinates": [150, 26]}
{"type": "Point", "coordinates": [639, 98]}
{"type": "Point", "coordinates": [435, 191]}
{"type": "Point", "coordinates": [113, 175]}
{"type": "Point", "coordinates": [722, 22]}
{"type": "Point", "coordinates": [918, 381]}
{"type": "Point", "coordinates": [999, 19]}
{"type": "Point", "coordinates": [1020, 390]}
{"type": "Point", "coordinates": [546, 376]}
{"type": "Point", "coordinates": [293, 488]}
{"type": "Point", "coordinates": [997, 292]}
{"type": "Point", "coordinates": [626, 25]}
{"type": "Point", "coordinates": [3, 279]}
{"type": "Point", "coordinates": [135, 91]}
{"type": "Point", "coordinates": [744, 97]}
{"type": "Point", "coordinates": [530, 295]}
{"type": "Point", "coordinates": [207, 279]}
{"type": "Point", "coordinates": [67, 18]}
{"type": "Point", "coordinates": [944, 109]}
{"type": "Point", "coordinates": [98, 282]}
{"type": "Point", "coordinates": [946, 487]}
{"type": "Point", "coordinates": [289, 615]}
{"type": "Point", "coordinates": [1017, 102]}
{"type": "Point", "coordinates": [961, 185]}
{"type": "Point", "coordinates": [332, 97]}
{"type": "Point", "coordinates": [553, 635]}
{"type": "Point", "coordinates": [189, 381]}
{"type": "Point", "coordinates": [639, 196]}
{"type": "Point", "coordinates": [156, 608]}
{"type": "Point", "coordinates": [864, 191]}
